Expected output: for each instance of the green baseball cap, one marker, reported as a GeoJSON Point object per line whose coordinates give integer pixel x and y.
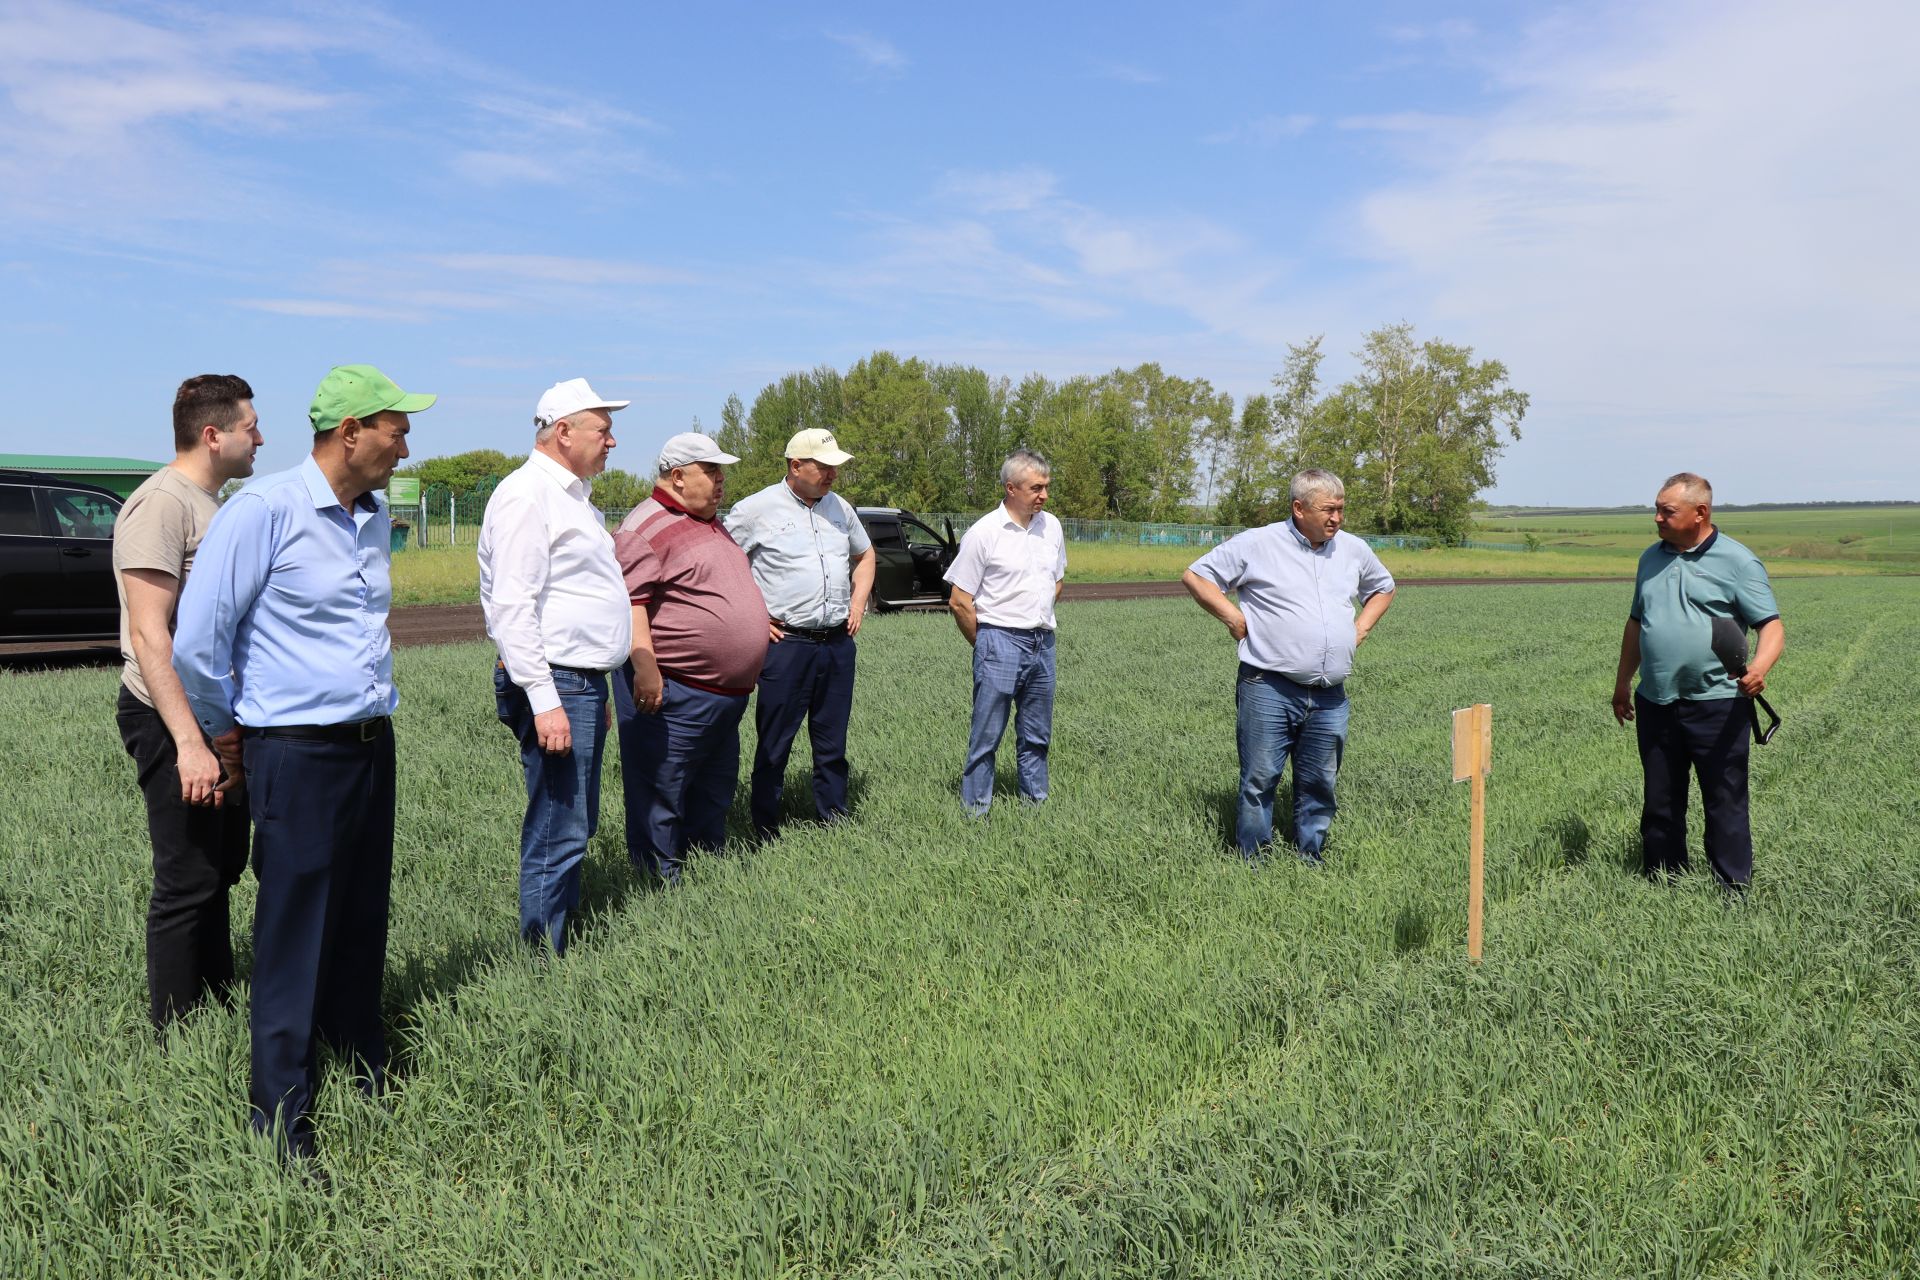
{"type": "Point", "coordinates": [359, 391]}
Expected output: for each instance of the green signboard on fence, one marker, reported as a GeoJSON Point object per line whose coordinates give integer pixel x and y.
{"type": "Point", "coordinates": [403, 491]}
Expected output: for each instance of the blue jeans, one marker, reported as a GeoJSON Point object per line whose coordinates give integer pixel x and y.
{"type": "Point", "coordinates": [810, 680]}
{"type": "Point", "coordinates": [563, 799]}
{"type": "Point", "coordinates": [1012, 673]}
{"type": "Point", "coordinates": [678, 768]}
{"type": "Point", "coordinates": [1277, 718]}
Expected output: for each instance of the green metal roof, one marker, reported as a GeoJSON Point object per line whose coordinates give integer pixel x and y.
{"type": "Point", "coordinates": [75, 465]}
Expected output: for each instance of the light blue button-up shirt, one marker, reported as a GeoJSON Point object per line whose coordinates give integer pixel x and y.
{"type": "Point", "coordinates": [284, 619]}
{"type": "Point", "coordinates": [801, 555]}
{"type": "Point", "coordinates": [1298, 599]}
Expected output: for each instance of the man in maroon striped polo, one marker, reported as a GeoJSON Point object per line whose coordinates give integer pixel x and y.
{"type": "Point", "coordinates": [699, 638]}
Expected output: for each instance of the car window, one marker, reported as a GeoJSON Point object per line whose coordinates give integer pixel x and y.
{"type": "Point", "coordinates": [82, 515]}
{"type": "Point", "coordinates": [918, 535]}
{"type": "Point", "coordinates": [17, 515]}
{"type": "Point", "coordinates": [884, 532]}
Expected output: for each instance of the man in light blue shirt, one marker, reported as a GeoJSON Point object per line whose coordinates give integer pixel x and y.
{"type": "Point", "coordinates": [812, 560]}
{"type": "Point", "coordinates": [283, 631]}
{"type": "Point", "coordinates": [1297, 581]}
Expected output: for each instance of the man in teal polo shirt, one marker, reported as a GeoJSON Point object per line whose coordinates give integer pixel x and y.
{"type": "Point", "coordinates": [1689, 712]}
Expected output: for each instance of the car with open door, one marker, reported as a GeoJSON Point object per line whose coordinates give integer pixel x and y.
{"type": "Point", "coordinates": [910, 559]}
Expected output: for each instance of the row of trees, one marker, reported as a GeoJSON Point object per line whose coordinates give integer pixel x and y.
{"type": "Point", "coordinates": [1415, 433]}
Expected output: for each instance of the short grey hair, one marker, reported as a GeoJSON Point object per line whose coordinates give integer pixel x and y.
{"type": "Point", "coordinates": [543, 431]}
{"type": "Point", "coordinates": [1023, 460]}
{"type": "Point", "coordinates": [1314, 483]}
{"type": "Point", "coordinates": [1696, 488]}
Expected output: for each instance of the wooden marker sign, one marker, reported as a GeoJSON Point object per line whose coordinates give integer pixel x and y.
{"type": "Point", "coordinates": [1473, 760]}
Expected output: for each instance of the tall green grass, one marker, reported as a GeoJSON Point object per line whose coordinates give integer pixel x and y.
{"type": "Point", "coordinates": [1075, 1040]}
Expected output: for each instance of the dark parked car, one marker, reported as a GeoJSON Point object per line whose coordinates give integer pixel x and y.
{"type": "Point", "coordinates": [56, 559]}
{"type": "Point", "coordinates": [909, 558]}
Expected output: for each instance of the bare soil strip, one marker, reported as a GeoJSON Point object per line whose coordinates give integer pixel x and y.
{"type": "Point", "coordinates": [460, 623]}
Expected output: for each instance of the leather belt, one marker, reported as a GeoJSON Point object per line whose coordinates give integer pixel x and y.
{"type": "Point", "coordinates": [368, 730]}
{"type": "Point", "coordinates": [819, 635]}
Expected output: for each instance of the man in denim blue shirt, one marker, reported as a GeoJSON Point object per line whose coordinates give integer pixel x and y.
{"type": "Point", "coordinates": [1297, 582]}
{"type": "Point", "coordinates": [283, 631]}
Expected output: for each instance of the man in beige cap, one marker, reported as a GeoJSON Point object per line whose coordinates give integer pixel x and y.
{"type": "Point", "coordinates": [813, 562]}
{"type": "Point", "coordinates": [557, 610]}
{"type": "Point", "coordinates": [699, 637]}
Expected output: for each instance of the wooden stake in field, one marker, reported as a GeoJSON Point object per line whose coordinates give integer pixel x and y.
{"type": "Point", "coordinates": [1473, 759]}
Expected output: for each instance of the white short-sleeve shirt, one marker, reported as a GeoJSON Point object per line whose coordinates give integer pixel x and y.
{"type": "Point", "coordinates": [1011, 572]}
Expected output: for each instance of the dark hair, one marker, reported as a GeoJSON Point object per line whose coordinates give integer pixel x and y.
{"type": "Point", "coordinates": [207, 398]}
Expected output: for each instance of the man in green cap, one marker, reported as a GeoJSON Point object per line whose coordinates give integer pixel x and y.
{"type": "Point", "coordinates": [283, 633]}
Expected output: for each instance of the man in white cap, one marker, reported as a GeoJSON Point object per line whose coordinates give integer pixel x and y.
{"type": "Point", "coordinates": [814, 565]}
{"type": "Point", "coordinates": [699, 638]}
{"type": "Point", "coordinates": [556, 608]}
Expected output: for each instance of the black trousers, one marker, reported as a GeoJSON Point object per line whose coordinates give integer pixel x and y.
{"type": "Point", "coordinates": [323, 853]}
{"type": "Point", "coordinates": [198, 854]}
{"type": "Point", "coordinates": [1710, 739]}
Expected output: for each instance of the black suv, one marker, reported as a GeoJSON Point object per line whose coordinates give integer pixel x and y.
{"type": "Point", "coordinates": [910, 560]}
{"type": "Point", "coordinates": [56, 559]}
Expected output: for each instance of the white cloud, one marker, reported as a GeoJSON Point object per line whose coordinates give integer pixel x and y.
{"type": "Point", "coordinates": [331, 309]}
{"type": "Point", "coordinates": [506, 168]}
{"type": "Point", "coordinates": [1267, 130]}
{"type": "Point", "coordinates": [999, 192]}
{"type": "Point", "coordinates": [1693, 216]}
{"type": "Point", "coordinates": [1127, 73]}
{"type": "Point", "coordinates": [552, 269]}
{"type": "Point", "coordinates": [878, 55]}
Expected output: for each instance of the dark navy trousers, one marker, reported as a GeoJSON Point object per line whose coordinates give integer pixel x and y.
{"type": "Point", "coordinates": [1708, 738]}
{"type": "Point", "coordinates": [809, 680]}
{"type": "Point", "coordinates": [323, 853]}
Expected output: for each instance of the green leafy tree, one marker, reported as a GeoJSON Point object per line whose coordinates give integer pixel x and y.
{"type": "Point", "coordinates": [1420, 429]}
{"type": "Point", "coordinates": [619, 490]}
{"type": "Point", "coordinates": [464, 473]}
{"type": "Point", "coordinates": [895, 422]}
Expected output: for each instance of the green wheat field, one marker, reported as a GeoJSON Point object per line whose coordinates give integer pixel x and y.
{"type": "Point", "coordinates": [1077, 1040]}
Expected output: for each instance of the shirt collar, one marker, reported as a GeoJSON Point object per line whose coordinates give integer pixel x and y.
{"type": "Point", "coordinates": [559, 474]}
{"type": "Point", "coordinates": [1699, 549]}
{"type": "Point", "coordinates": [1006, 519]}
{"type": "Point", "coordinates": [322, 492]}
{"type": "Point", "coordinates": [1324, 548]}
{"type": "Point", "coordinates": [666, 500]}
{"type": "Point", "coordinates": [798, 500]}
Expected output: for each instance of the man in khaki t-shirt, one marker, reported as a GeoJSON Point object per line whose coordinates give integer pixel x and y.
{"type": "Point", "coordinates": [198, 823]}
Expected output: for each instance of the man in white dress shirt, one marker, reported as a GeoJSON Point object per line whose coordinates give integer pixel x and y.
{"type": "Point", "coordinates": [556, 608]}
{"type": "Point", "coordinates": [1006, 576]}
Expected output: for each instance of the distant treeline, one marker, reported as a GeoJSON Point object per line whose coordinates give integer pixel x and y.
{"type": "Point", "coordinates": [1643, 507]}
{"type": "Point", "coordinates": [1415, 435]}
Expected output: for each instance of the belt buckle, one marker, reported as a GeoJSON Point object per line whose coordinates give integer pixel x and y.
{"type": "Point", "coordinates": [370, 728]}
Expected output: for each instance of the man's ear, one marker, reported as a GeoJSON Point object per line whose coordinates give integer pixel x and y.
{"type": "Point", "coordinates": [209, 435]}
{"type": "Point", "coordinates": [350, 430]}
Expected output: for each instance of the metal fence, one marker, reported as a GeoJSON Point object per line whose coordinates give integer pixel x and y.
{"type": "Point", "coordinates": [445, 520]}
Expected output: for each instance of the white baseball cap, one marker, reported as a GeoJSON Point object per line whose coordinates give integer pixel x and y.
{"type": "Point", "coordinates": [818, 443]}
{"type": "Point", "coordinates": [563, 399]}
{"type": "Point", "coordinates": [690, 447]}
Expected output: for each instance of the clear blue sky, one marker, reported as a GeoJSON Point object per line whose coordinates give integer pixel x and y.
{"type": "Point", "coordinates": [1688, 229]}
